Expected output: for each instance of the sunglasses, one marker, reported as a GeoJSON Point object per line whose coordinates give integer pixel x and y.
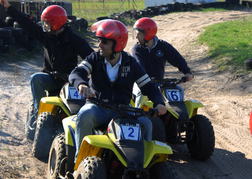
{"type": "Point", "coordinates": [103, 41]}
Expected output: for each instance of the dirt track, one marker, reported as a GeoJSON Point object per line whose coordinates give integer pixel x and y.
{"type": "Point", "coordinates": [226, 97]}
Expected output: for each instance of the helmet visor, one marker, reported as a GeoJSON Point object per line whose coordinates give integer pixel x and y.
{"type": "Point", "coordinates": [46, 26]}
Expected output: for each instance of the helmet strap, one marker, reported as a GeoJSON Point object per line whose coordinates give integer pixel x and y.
{"type": "Point", "coordinates": [112, 56]}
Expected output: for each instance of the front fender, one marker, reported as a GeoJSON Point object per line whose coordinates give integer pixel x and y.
{"type": "Point", "coordinates": [93, 145]}
{"type": "Point", "coordinates": [48, 104]}
{"type": "Point", "coordinates": [69, 129]}
{"type": "Point", "coordinates": [156, 148]}
{"type": "Point", "coordinates": [192, 107]}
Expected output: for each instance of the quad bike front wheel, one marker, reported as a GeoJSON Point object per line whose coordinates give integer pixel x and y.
{"type": "Point", "coordinates": [158, 129]}
{"type": "Point", "coordinates": [30, 126]}
{"type": "Point", "coordinates": [91, 167]}
{"type": "Point", "coordinates": [43, 136]}
{"type": "Point", "coordinates": [57, 153]}
{"type": "Point", "coordinates": [201, 146]}
{"type": "Point", "coordinates": [162, 170]}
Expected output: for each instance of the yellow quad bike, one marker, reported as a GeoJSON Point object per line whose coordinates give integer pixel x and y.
{"type": "Point", "coordinates": [182, 123]}
{"type": "Point", "coordinates": [116, 151]}
{"type": "Point", "coordinates": [52, 110]}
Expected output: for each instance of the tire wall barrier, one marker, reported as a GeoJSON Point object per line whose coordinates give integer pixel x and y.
{"type": "Point", "coordinates": [11, 34]}
{"type": "Point", "coordinates": [168, 8]}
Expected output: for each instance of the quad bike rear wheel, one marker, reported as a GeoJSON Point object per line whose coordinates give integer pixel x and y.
{"type": "Point", "coordinates": [201, 146]}
{"type": "Point", "coordinates": [57, 153]}
{"type": "Point", "coordinates": [30, 126]}
{"type": "Point", "coordinates": [162, 170]}
{"type": "Point", "coordinates": [158, 129]}
{"type": "Point", "coordinates": [43, 135]}
{"type": "Point", "coordinates": [91, 167]}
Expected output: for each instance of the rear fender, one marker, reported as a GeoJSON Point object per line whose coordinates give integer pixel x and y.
{"type": "Point", "coordinates": [69, 128]}
{"type": "Point", "coordinates": [157, 149]}
{"type": "Point", "coordinates": [49, 104]}
{"type": "Point", "coordinates": [192, 107]}
{"type": "Point", "coordinates": [93, 145]}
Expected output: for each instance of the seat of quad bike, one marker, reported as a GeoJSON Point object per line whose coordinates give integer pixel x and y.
{"type": "Point", "coordinates": [74, 105]}
{"type": "Point", "coordinates": [179, 109]}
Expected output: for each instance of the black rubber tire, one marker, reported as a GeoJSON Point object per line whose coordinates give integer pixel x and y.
{"type": "Point", "coordinates": [4, 49]}
{"type": "Point", "coordinates": [162, 170]}
{"type": "Point", "coordinates": [101, 18]}
{"type": "Point", "coordinates": [21, 39]}
{"type": "Point", "coordinates": [30, 45]}
{"type": "Point", "coordinates": [56, 154]}
{"type": "Point", "coordinates": [91, 167]}
{"type": "Point", "coordinates": [73, 18]}
{"type": "Point", "coordinates": [9, 41]}
{"type": "Point", "coordinates": [30, 126]}
{"type": "Point", "coordinates": [201, 146]}
{"type": "Point", "coordinates": [9, 21]}
{"type": "Point", "coordinates": [158, 129]}
{"type": "Point", "coordinates": [248, 64]}
{"type": "Point", "coordinates": [5, 33]}
{"type": "Point", "coordinates": [43, 136]}
{"type": "Point", "coordinates": [15, 32]}
{"type": "Point", "coordinates": [16, 25]}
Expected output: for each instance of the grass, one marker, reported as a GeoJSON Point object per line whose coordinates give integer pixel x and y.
{"type": "Point", "coordinates": [90, 10]}
{"type": "Point", "coordinates": [230, 43]}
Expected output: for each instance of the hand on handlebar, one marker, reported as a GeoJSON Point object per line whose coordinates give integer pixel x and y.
{"type": "Point", "coordinates": [5, 3]}
{"type": "Point", "coordinates": [85, 91]}
{"type": "Point", "coordinates": [189, 76]}
{"type": "Point", "coordinates": [161, 109]}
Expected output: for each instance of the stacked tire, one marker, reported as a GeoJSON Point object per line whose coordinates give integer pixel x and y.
{"type": "Point", "coordinates": [13, 35]}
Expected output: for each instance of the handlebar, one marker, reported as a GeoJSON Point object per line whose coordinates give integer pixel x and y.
{"type": "Point", "coordinates": [123, 110]}
{"type": "Point", "coordinates": [169, 81]}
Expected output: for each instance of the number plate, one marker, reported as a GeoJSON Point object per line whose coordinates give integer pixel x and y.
{"type": "Point", "coordinates": [74, 94]}
{"type": "Point", "coordinates": [131, 132]}
{"type": "Point", "coordinates": [173, 94]}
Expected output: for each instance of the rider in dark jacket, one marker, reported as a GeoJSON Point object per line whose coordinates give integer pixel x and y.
{"type": "Point", "coordinates": [112, 75]}
{"type": "Point", "coordinates": [61, 48]}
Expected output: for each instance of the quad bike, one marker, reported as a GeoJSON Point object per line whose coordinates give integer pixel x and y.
{"type": "Point", "coordinates": [115, 151]}
{"type": "Point", "coordinates": [53, 108]}
{"type": "Point", "coordinates": [183, 124]}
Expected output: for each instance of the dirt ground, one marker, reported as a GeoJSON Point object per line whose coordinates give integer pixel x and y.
{"type": "Point", "coordinates": [226, 97]}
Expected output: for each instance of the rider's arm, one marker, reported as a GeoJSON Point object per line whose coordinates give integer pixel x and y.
{"type": "Point", "coordinates": [175, 58]}
{"type": "Point", "coordinates": [80, 74]}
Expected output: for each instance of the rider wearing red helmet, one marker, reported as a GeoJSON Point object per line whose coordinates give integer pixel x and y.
{"type": "Point", "coordinates": [53, 18]}
{"type": "Point", "coordinates": [153, 53]}
{"type": "Point", "coordinates": [112, 75]}
{"type": "Point", "coordinates": [61, 48]}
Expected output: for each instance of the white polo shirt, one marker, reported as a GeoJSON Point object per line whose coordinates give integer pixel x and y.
{"type": "Point", "coordinates": [113, 71]}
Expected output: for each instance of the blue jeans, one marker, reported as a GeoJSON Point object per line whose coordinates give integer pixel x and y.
{"type": "Point", "coordinates": [40, 82]}
{"type": "Point", "coordinates": [91, 116]}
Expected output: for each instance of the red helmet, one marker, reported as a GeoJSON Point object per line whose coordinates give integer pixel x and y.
{"type": "Point", "coordinates": [55, 15]}
{"type": "Point", "coordinates": [148, 26]}
{"type": "Point", "coordinates": [114, 30]}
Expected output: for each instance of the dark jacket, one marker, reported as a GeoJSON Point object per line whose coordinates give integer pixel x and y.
{"type": "Point", "coordinates": [120, 90]}
{"type": "Point", "coordinates": [154, 60]}
{"type": "Point", "coordinates": [60, 52]}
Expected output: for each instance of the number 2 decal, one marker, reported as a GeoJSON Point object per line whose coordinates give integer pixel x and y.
{"type": "Point", "coordinates": [132, 131]}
